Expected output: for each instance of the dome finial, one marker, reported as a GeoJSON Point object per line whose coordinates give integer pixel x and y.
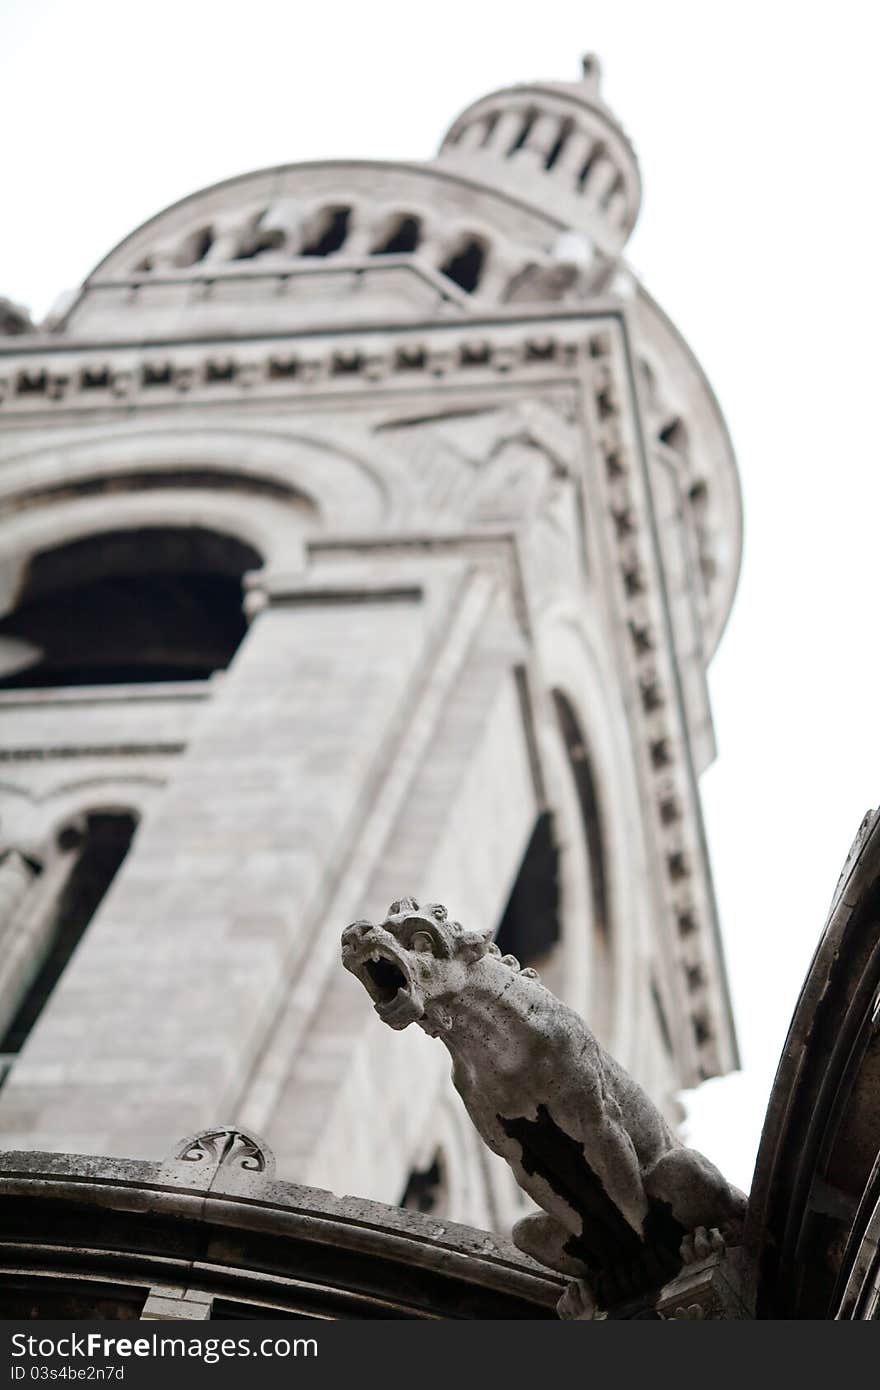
{"type": "Point", "coordinates": [591, 71]}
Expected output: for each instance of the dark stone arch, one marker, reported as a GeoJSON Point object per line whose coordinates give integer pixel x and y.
{"type": "Point", "coordinates": [145, 604]}
{"type": "Point", "coordinates": [531, 925]}
{"type": "Point", "coordinates": [591, 814]}
{"type": "Point", "coordinates": [97, 843]}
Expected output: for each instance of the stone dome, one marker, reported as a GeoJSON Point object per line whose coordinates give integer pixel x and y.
{"type": "Point", "coordinates": [558, 146]}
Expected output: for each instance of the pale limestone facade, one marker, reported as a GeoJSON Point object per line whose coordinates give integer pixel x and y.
{"type": "Point", "coordinates": [486, 516]}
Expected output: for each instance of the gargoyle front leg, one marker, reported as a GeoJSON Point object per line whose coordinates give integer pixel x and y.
{"type": "Point", "coordinates": [616, 1164]}
{"type": "Point", "coordinates": [544, 1239]}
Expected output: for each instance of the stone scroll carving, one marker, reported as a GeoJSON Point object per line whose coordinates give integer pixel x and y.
{"type": "Point", "coordinates": [624, 1204]}
{"type": "Point", "coordinates": [227, 1147]}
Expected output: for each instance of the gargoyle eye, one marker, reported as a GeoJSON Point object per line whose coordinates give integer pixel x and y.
{"type": "Point", "coordinates": [440, 913]}
{"type": "Point", "coordinates": [421, 941]}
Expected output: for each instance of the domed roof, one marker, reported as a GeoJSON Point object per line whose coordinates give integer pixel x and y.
{"type": "Point", "coordinates": [557, 145]}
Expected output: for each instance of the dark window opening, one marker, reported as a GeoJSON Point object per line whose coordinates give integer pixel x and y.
{"type": "Point", "coordinates": [105, 844]}
{"type": "Point", "coordinates": [674, 435]}
{"type": "Point", "coordinates": [426, 1187]}
{"type": "Point", "coordinates": [331, 235]}
{"type": "Point", "coordinates": [585, 784]}
{"type": "Point", "coordinates": [465, 266]}
{"type": "Point", "coordinates": [524, 133]}
{"type": "Point", "coordinates": [403, 238]}
{"type": "Point", "coordinates": [597, 153]}
{"type": "Point", "coordinates": [530, 924]}
{"type": "Point", "coordinates": [560, 144]}
{"type": "Point", "coordinates": [204, 242]}
{"type": "Point", "coordinates": [155, 604]}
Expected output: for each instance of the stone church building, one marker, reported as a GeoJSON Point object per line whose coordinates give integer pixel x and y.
{"type": "Point", "coordinates": [367, 530]}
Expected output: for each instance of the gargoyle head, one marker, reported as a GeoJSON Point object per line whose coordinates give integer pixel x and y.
{"type": "Point", "coordinates": [415, 963]}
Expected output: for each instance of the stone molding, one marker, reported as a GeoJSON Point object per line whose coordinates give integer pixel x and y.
{"type": "Point", "coordinates": [656, 699]}
{"type": "Point", "coordinates": [176, 1237]}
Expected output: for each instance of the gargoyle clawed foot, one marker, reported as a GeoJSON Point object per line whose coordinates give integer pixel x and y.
{"type": "Point", "coordinates": [701, 1243]}
{"type": "Point", "coordinates": [578, 1303]}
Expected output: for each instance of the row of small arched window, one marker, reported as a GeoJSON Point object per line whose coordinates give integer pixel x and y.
{"type": "Point", "coordinates": [566, 130]}
{"type": "Point", "coordinates": [330, 230]}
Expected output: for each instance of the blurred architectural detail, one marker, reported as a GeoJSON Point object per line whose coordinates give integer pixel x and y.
{"type": "Point", "coordinates": [814, 1212]}
{"type": "Point", "coordinates": [366, 527]}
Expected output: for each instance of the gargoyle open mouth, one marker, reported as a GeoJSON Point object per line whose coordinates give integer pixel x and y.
{"type": "Point", "coordinates": [387, 980]}
{"type": "Point", "coordinates": [384, 980]}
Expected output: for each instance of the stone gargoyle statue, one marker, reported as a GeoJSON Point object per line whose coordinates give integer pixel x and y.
{"type": "Point", "coordinates": [624, 1204]}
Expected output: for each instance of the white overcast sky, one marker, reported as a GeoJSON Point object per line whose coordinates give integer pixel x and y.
{"type": "Point", "coordinates": [756, 126]}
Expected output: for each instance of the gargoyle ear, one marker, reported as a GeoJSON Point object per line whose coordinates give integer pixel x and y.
{"type": "Point", "coordinates": [404, 905]}
{"type": "Point", "coordinates": [471, 945]}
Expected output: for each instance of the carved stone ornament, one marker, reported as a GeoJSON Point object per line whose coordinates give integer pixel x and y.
{"type": "Point", "coordinates": [625, 1206]}
{"type": "Point", "coordinates": [227, 1147]}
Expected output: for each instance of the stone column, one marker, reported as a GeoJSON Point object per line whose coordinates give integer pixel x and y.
{"type": "Point", "coordinates": [16, 877]}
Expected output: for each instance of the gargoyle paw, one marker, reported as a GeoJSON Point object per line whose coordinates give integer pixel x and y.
{"type": "Point", "coordinates": [577, 1304]}
{"type": "Point", "coordinates": [700, 1244]}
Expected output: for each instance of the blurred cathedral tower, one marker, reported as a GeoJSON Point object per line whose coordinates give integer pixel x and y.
{"type": "Point", "coordinates": [367, 531]}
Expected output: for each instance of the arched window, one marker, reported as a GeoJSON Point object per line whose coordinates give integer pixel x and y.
{"type": "Point", "coordinates": [154, 604]}
{"type": "Point", "coordinates": [330, 234]}
{"type": "Point", "coordinates": [465, 265]}
{"type": "Point", "coordinates": [537, 914]}
{"type": "Point", "coordinates": [591, 816]}
{"type": "Point", "coordinates": [530, 926]}
{"type": "Point", "coordinates": [402, 238]}
{"type": "Point", "coordinates": [94, 850]}
{"type": "Point", "coordinates": [427, 1189]}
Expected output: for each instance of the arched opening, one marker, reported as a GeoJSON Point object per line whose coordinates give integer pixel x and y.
{"type": "Point", "coordinates": [330, 234]}
{"type": "Point", "coordinates": [600, 1004]}
{"type": "Point", "coordinates": [525, 130]}
{"type": "Point", "coordinates": [566, 127]}
{"type": "Point", "coordinates": [151, 604]}
{"type": "Point", "coordinates": [427, 1189]}
{"type": "Point", "coordinates": [598, 152]}
{"type": "Point", "coordinates": [540, 911]}
{"type": "Point", "coordinates": [530, 927]}
{"type": "Point", "coordinates": [591, 817]}
{"type": "Point", "coordinates": [402, 239]}
{"type": "Point", "coordinates": [97, 846]}
{"type": "Point", "coordinates": [465, 265]}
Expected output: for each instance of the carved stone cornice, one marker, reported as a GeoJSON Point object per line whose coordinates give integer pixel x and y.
{"type": "Point", "coordinates": [656, 699]}
{"type": "Point", "coordinates": [67, 374]}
